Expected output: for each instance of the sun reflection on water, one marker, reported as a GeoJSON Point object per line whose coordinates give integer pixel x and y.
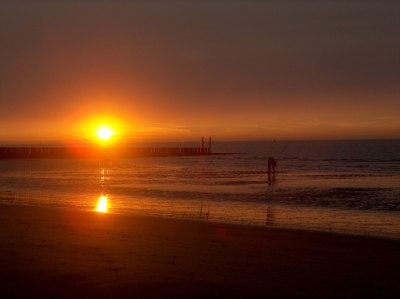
{"type": "Point", "coordinates": [102, 204]}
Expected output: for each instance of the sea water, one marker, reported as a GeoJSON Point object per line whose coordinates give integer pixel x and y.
{"type": "Point", "coordinates": [350, 186]}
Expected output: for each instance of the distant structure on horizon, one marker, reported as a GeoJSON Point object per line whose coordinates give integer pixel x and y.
{"type": "Point", "coordinates": [103, 152]}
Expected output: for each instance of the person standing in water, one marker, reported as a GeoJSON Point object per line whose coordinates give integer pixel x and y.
{"type": "Point", "coordinates": [271, 166]}
{"type": "Point", "coordinates": [274, 163]}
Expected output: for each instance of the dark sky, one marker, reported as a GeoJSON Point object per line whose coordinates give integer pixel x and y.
{"type": "Point", "coordinates": [178, 70]}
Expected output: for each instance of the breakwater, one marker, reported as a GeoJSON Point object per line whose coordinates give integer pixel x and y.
{"type": "Point", "coordinates": [100, 152]}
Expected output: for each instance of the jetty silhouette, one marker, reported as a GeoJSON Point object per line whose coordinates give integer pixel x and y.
{"type": "Point", "coordinates": [93, 152]}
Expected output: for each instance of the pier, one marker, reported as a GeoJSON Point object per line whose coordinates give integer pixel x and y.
{"type": "Point", "coordinates": [98, 152]}
{"type": "Point", "coordinates": [91, 152]}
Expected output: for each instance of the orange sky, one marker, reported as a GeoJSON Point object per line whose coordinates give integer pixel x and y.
{"type": "Point", "coordinates": [180, 70]}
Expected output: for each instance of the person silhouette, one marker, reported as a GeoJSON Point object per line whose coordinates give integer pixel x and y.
{"type": "Point", "coordinates": [274, 163]}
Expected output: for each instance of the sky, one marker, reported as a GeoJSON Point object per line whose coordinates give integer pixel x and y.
{"type": "Point", "coordinates": [181, 70]}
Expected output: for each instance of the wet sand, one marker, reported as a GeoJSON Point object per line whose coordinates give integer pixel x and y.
{"type": "Point", "coordinates": [64, 253]}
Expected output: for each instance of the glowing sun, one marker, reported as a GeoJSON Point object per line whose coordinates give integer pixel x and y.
{"type": "Point", "coordinates": [105, 133]}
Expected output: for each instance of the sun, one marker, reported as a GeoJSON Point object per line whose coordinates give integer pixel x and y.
{"type": "Point", "coordinates": [105, 133]}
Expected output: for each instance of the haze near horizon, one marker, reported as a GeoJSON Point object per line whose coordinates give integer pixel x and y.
{"type": "Point", "coordinates": [181, 70]}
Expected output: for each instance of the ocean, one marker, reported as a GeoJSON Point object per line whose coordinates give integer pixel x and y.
{"type": "Point", "coordinates": [346, 187]}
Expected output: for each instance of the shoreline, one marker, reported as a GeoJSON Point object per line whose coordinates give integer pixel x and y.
{"type": "Point", "coordinates": [378, 224]}
{"type": "Point", "coordinates": [210, 221]}
{"type": "Point", "coordinates": [51, 252]}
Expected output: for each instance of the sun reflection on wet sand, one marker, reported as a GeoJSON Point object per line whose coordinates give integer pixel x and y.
{"type": "Point", "coordinates": [102, 204]}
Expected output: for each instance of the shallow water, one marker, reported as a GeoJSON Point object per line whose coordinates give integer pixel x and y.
{"type": "Point", "coordinates": [339, 186]}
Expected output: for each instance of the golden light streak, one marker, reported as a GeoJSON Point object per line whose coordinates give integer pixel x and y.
{"type": "Point", "coordinates": [102, 204]}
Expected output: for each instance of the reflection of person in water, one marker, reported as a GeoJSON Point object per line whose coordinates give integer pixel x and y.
{"type": "Point", "coordinates": [270, 216]}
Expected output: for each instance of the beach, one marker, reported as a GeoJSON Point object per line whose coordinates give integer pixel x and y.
{"type": "Point", "coordinates": [63, 253]}
{"type": "Point", "coordinates": [199, 149]}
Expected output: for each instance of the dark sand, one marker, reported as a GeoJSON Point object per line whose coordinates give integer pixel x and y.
{"type": "Point", "coordinates": [61, 253]}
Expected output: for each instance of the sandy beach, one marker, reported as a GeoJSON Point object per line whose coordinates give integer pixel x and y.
{"type": "Point", "coordinates": [64, 253]}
